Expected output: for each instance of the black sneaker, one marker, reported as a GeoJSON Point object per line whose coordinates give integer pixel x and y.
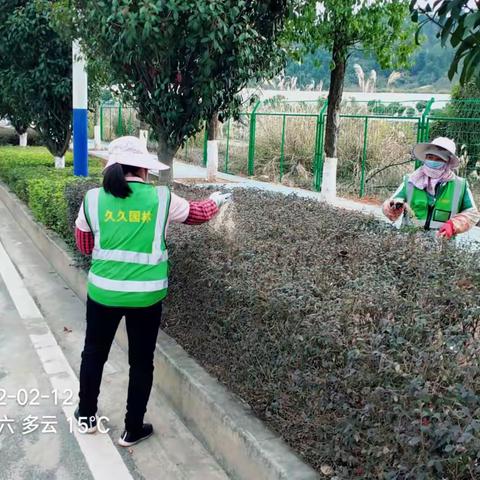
{"type": "Point", "coordinates": [127, 439]}
{"type": "Point", "coordinates": [86, 424]}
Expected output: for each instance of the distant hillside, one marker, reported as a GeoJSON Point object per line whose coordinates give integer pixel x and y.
{"type": "Point", "coordinates": [428, 69]}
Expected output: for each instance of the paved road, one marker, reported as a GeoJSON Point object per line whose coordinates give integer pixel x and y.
{"type": "Point", "coordinates": [42, 328]}
{"type": "Point", "coordinates": [35, 438]}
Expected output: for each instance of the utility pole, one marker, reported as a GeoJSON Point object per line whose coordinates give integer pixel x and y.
{"type": "Point", "coordinates": [80, 112]}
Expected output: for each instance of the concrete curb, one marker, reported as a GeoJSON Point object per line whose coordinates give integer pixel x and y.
{"type": "Point", "coordinates": [239, 441]}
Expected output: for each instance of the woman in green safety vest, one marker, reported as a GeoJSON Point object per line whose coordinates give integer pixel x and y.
{"type": "Point", "coordinates": [123, 225]}
{"type": "Point", "coordinates": [433, 197]}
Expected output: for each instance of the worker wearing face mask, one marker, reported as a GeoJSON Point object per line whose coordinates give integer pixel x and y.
{"type": "Point", "coordinates": [433, 197]}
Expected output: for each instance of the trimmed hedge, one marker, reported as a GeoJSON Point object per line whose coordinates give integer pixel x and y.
{"type": "Point", "coordinates": [31, 174]}
{"type": "Point", "coordinates": [358, 343]}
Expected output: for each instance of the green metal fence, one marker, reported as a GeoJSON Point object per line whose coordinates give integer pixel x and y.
{"type": "Point", "coordinates": [283, 141]}
{"type": "Point", "coordinates": [117, 120]}
{"type": "Point", "coordinates": [374, 146]}
{"type": "Point", "coordinates": [459, 120]}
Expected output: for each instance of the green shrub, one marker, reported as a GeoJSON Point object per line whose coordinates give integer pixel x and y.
{"type": "Point", "coordinates": [32, 176]}
{"type": "Point", "coordinates": [47, 202]}
{"type": "Point", "coordinates": [358, 343]}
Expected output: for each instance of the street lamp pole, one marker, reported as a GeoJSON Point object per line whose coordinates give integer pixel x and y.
{"type": "Point", "coordinates": [80, 112]}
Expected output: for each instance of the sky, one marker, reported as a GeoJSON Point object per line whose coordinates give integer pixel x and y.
{"type": "Point", "coordinates": [422, 3]}
{"type": "Point", "coordinates": [361, 3]}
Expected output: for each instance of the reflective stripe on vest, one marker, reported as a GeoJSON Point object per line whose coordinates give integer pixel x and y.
{"type": "Point", "coordinates": [133, 272]}
{"type": "Point", "coordinates": [153, 258]}
{"type": "Point", "coordinates": [126, 285]}
{"type": "Point", "coordinates": [454, 204]}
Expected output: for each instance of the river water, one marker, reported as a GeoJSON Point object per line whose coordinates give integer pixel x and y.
{"type": "Point", "coordinates": [300, 95]}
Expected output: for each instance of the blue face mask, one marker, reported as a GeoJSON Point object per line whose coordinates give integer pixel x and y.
{"type": "Point", "coordinates": [435, 164]}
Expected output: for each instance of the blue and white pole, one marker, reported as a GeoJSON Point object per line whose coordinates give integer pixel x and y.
{"type": "Point", "coordinates": [80, 115]}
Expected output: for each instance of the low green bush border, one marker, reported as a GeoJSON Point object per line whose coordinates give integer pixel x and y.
{"type": "Point", "coordinates": [31, 174]}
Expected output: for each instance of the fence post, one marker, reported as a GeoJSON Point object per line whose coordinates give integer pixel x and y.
{"type": "Point", "coordinates": [251, 146]}
{"type": "Point", "coordinates": [101, 121]}
{"type": "Point", "coordinates": [364, 158]}
{"type": "Point", "coordinates": [120, 120]}
{"type": "Point", "coordinates": [205, 143]}
{"type": "Point", "coordinates": [422, 135]}
{"type": "Point", "coordinates": [319, 149]}
{"type": "Point", "coordinates": [227, 152]}
{"type": "Point", "coordinates": [282, 146]}
{"type": "Point", "coordinates": [423, 126]}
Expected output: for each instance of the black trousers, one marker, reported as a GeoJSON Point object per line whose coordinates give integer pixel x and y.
{"type": "Point", "coordinates": [142, 329]}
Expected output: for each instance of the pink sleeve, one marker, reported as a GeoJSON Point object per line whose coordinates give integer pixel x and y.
{"type": "Point", "coordinates": [85, 241]}
{"type": "Point", "coordinates": [179, 209]}
{"type": "Point", "coordinates": [201, 212]}
{"type": "Point", "coordinates": [81, 222]}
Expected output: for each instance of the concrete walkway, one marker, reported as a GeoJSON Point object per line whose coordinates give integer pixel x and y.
{"type": "Point", "coordinates": [187, 171]}
{"type": "Point", "coordinates": [42, 330]}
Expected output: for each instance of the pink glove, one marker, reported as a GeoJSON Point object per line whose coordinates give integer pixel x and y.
{"type": "Point", "coordinates": [393, 209]}
{"type": "Point", "coordinates": [447, 230]}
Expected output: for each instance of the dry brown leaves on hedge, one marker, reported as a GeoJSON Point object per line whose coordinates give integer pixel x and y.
{"type": "Point", "coordinates": [356, 342]}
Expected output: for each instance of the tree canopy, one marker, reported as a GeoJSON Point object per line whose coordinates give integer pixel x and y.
{"type": "Point", "coordinates": [180, 62]}
{"type": "Point", "coordinates": [428, 65]}
{"type": "Point", "coordinates": [341, 26]}
{"type": "Point", "coordinates": [35, 71]}
{"type": "Point", "coordinates": [459, 22]}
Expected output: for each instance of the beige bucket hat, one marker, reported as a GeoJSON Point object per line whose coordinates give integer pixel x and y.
{"type": "Point", "coordinates": [131, 150]}
{"type": "Point", "coordinates": [443, 147]}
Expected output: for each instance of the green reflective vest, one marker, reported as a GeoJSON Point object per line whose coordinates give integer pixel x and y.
{"type": "Point", "coordinates": [433, 214]}
{"type": "Point", "coordinates": [129, 259]}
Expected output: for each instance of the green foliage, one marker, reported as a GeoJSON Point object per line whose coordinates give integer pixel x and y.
{"type": "Point", "coordinates": [178, 62]}
{"type": "Point", "coordinates": [459, 22]}
{"type": "Point", "coordinates": [356, 342]}
{"type": "Point", "coordinates": [465, 130]}
{"type": "Point", "coordinates": [47, 202]}
{"type": "Point", "coordinates": [35, 71]}
{"type": "Point", "coordinates": [428, 65]}
{"type": "Point", "coordinates": [390, 109]}
{"type": "Point", "coordinates": [31, 176]}
{"type": "Point", "coordinates": [379, 28]}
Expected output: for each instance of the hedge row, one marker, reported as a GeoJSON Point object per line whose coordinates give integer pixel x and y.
{"type": "Point", "coordinates": [359, 344]}
{"type": "Point", "coordinates": [30, 172]}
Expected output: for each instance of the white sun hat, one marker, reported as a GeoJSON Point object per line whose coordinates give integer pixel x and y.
{"type": "Point", "coordinates": [443, 147]}
{"type": "Point", "coordinates": [130, 150]}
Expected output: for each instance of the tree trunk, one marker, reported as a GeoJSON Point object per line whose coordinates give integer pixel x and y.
{"type": "Point", "coordinates": [57, 146]}
{"type": "Point", "coordinates": [165, 155]}
{"type": "Point", "coordinates": [212, 147]}
{"type": "Point", "coordinates": [23, 139]}
{"type": "Point", "coordinates": [337, 78]}
{"type": "Point", "coordinates": [213, 127]}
